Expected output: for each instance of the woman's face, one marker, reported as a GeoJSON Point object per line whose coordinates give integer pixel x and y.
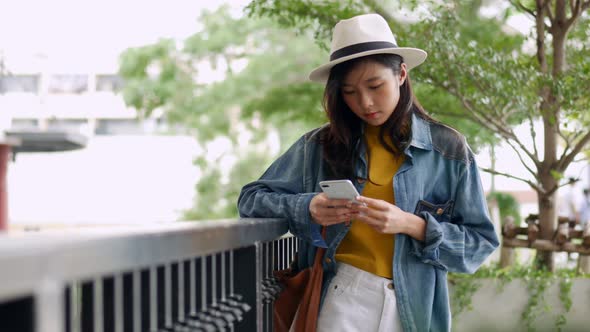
{"type": "Point", "coordinates": [371, 90]}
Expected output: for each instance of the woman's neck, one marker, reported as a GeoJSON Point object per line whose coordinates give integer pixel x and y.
{"type": "Point", "coordinates": [372, 130]}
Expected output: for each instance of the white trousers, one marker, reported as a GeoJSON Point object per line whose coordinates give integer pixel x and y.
{"type": "Point", "coordinates": [358, 300]}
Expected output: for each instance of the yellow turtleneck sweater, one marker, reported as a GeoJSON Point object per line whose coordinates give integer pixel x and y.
{"type": "Point", "coordinates": [363, 247]}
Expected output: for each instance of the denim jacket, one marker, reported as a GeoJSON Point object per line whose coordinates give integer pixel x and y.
{"type": "Point", "coordinates": [438, 181]}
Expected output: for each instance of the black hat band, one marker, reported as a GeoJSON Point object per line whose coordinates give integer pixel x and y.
{"type": "Point", "coordinates": [362, 47]}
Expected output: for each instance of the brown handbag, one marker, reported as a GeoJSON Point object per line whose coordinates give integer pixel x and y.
{"type": "Point", "coordinates": [300, 296]}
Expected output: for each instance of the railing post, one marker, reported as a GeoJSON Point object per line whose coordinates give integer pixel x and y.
{"type": "Point", "coordinates": [247, 284]}
{"type": "Point", "coordinates": [108, 304]}
{"type": "Point", "coordinates": [4, 157]}
{"type": "Point", "coordinates": [112, 285]}
{"type": "Point", "coordinates": [258, 275]}
{"type": "Point", "coordinates": [49, 307]}
{"type": "Point", "coordinates": [17, 315]}
{"type": "Point", "coordinates": [86, 322]}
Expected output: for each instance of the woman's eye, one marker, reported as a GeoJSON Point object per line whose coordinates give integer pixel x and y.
{"type": "Point", "coordinates": [347, 92]}
{"type": "Point", "coordinates": [374, 87]}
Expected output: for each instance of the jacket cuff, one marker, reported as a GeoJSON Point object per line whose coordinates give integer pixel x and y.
{"type": "Point", "coordinates": [306, 226]}
{"type": "Point", "coordinates": [428, 251]}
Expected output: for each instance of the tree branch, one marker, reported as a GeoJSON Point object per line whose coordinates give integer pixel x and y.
{"type": "Point", "coordinates": [473, 115]}
{"type": "Point", "coordinates": [565, 162]}
{"type": "Point", "coordinates": [540, 40]}
{"type": "Point", "coordinates": [554, 189]}
{"type": "Point", "coordinates": [507, 134]}
{"type": "Point", "coordinates": [581, 159]}
{"type": "Point", "coordinates": [491, 123]}
{"type": "Point", "coordinates": [533, 135]}
{"type": "Point", "coordinates": [487, 87]}
{"type": "Point", "coordinates": [484, 119]}
{"type": "Point", "coordinates": [534, 158]}
{"type": "Point", "coordinates": [522, 160]}
{"type": "Point", "coordinates": [573, 4]}
{"type": "Point", "coordinates": [529, 182]}
{"type": "Point", "coordinates": [547, 8]}
{"type": "Point", "coordinates": [483, 116]}
{"type": "Point", "coordinates": [377, 8]}
{"type": "Point", "coordinates": [567, 145]}
{"type": "Point", "coordinates": [577, 10]}
{"type": "Point", "coordinates": [522, 7]}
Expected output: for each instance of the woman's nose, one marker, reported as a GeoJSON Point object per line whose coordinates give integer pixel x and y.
{"type": "Point", "coordinates": [366, 100]}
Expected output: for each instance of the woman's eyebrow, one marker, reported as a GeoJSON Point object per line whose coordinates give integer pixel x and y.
{"type": "Point", "coordinates": [370, 79]}
{"type": "Point", "coordinates": [374, 78]}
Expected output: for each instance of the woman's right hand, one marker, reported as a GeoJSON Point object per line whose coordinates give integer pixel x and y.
{"type": "Point", "coordinates": [326, 211]}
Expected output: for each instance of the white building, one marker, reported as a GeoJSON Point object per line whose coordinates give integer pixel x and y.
{"type": "Point", "coordinates": [45, 93]}
{"type": "Point", "coordinates": [124, 174]}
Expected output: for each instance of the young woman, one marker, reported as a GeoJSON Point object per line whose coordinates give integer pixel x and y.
{"type": "Point", "coordinates": [424, 210]}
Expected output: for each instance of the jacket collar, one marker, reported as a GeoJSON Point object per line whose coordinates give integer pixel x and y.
{"type": "Point", "coordinates": [421, 137]}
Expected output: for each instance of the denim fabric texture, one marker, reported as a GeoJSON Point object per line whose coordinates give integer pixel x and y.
{"type": "Point", "coordinates": [439, 181]}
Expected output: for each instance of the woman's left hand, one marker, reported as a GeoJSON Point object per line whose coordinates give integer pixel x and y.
{"type": "Point", "coordinates": [387, 218]}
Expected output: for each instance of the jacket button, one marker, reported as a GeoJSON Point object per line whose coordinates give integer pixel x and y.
{"type": "Point", "coordinates": [390, 285]}
{"type": "Point", "coordinates": [328, 260]}
{"type": "Point", "coordinates": [439, 211]}
{"type": "Point", "coordinates": [360, 180]}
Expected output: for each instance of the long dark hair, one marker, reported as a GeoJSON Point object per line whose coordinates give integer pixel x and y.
{"type": "Point", "coordinates": [340, 139]}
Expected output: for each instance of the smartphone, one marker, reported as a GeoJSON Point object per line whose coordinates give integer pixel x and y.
{"type": "Point", "coordinates": [339, 189]}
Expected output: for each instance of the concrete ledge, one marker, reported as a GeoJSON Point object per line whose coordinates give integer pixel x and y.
{"type": "Point", "coordinates": [46, 141]}
{"type": "Point", "coordinates": [499, 308]}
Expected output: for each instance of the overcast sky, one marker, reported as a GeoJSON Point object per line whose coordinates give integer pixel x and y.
{"type": "Point", "coordinates": [99, 30]}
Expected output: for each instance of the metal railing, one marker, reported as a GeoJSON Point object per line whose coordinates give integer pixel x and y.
{"type": "Point", "coordinates": [202, 276]}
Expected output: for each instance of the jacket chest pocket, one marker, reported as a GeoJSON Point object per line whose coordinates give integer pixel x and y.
{"type": "Point", "coordinates": [442, 212]}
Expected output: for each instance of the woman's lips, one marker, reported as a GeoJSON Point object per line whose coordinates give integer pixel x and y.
{"type": "Point", "coordinates": [371, 115]}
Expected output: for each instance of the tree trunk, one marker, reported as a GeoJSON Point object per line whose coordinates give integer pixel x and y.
{"type": "Point", "coordinates": [547, 199]}
{"type": "Point", "coordinates": [550, 109]}
{"type": "Point", "coordinates": [548, 224]}
{"type": "Point", "coordinates": [506, 257]}
{"type": "Point", "coordinates": [584, 264]}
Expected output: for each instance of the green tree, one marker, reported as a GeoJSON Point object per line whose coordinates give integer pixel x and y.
{"type": "Point", "coordinates": [271, 90]}
{"type": "Point", "coordinates": [165, 76]}
{"type": "Point", "coordinates": [499, 80]}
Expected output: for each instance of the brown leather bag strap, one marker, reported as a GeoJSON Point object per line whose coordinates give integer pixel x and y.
{"type": "Point", "coordinates": [307, 316]}
{"type": "Point", "coordinates": [319, 254]}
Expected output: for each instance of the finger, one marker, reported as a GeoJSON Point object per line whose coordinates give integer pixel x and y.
{"type": "Point", "coordinates": [321, 200]}
{"type": "Point", "coordinates": [335, 211]}
{"type": "Point", "coordinates": [332, 212]}
{"type": "Point", "coordinates": [336, 202]}
{"type": "Point", "coordinates": [370, 220]}
{"type": "Point", "coordinates": [368, 211]}
{"type": "Point", "coordinates": [375, 203]}
{"type": "Point", "coordinates": [333, 220]}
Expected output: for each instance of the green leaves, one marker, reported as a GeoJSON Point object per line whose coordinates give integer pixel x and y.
{"type": "Point", "coordinates": [507, 205]}
{"type": "Point", "coordinates": [537, 282]}
{"type": "Point", "coordinates": [154, 77]}
{"type": "Point", "coordinates": [479, 77]}
{"type": "Point", "coordinates": [307, 15]}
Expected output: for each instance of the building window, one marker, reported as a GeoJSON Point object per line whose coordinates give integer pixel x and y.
{"type": "Point", "coordinates": [109, 83]}
{"type": "Point", "coordinates": [19, 83]}
{"type": "Point", "coordinates": [24, 124]}
{"type": "Point", "coordinates": [70, 125]}
{"type": "Point", "coordinates": [68, 83]}
{"type": "Point", "coordinates": [119, 127]}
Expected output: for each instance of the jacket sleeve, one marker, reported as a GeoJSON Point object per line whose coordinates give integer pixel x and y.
{"type": "Point", "coordinates": [463, 243]}
{"type": "Point", "coordinates": [279, 193]}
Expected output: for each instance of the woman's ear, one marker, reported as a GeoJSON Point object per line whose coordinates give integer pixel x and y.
{"type": "Point", "coordinates": [403, 74]}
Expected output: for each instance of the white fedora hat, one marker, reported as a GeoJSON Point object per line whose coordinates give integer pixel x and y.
{"type": "Point", "coordinates": [361, 36]}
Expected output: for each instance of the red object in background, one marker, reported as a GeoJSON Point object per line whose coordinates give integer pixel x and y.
{"type": "Point", "coordinates": [4, 158]}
